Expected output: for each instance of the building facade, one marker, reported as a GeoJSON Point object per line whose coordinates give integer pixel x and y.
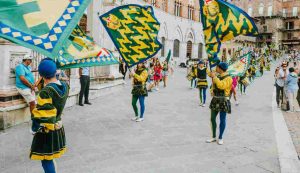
{"type": "Point", "coordinates": [278, 21]}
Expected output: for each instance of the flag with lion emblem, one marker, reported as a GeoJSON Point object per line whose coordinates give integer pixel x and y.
{"type": "Point", "coordinates": [222, 22]}
{"type": "Point", "coordinates": [133, 30]}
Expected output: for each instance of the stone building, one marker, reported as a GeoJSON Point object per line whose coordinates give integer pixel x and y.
{"type": "Point", "coordinates": [278, 21]}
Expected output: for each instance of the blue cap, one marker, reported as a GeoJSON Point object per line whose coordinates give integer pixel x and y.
{"type": "Point", "coordinates": [47, 68]}
{"type": "Point", "coordinates": [200, 62]}
{"type": "Point", "coordinates": [223, 66]}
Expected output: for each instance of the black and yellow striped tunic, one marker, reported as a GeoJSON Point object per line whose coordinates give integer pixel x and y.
{"type": "Point", "coordinates": [49, 141]}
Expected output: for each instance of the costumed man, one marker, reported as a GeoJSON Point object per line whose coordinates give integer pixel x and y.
{"type": "Point", "coordinates": [139, 91]}
{"type": "Point", "coordinates": [243, 83]}
{"type": "Point", "coordinates": [200, 74]}
{"type": "Point", "coordinates": [262, 65]}
{"type": "Point", "coordinates": [193, 79]}
{"type": "Point", "coordinates": [220, 102]}
{"type": "Point", "coordinates": [49, 141]}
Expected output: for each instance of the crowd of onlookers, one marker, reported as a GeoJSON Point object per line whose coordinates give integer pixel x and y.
{"type": "Point", "coordinates": [287, 82]}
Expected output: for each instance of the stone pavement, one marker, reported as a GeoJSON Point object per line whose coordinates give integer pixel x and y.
{"type": "Point", "coordinates": [102, 139]}
{"type": "Point", "coordinates": [293, 123]}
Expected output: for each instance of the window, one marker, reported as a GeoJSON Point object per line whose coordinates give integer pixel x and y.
{"type": "Point", "coordinates": [261, 9]}
{"type": "Point", "coordinates": [250, 11]}
{"type": "Point", "coordinates": [262, 22]}
{"type": "Point", "coordinates": [284, 12]}
{"type": "Point", "coordinates": [295, 11]}
{"type": "Point", "coordinates": [176, 48]}
{"type": "Point", "coordinates": [270, 10]}
{"type": "Point", "coordinates": [289, 25]}
{"type": "Point", "coordinates": [177, 9]}
{"type": "Point", "coordinates": [190, 12]}
{"type": "Point", "coordinates": [164, 5]}
{"type": "Point", "coordinates": [265, 28]}
{"type": "Point", "coordinates": [153, 2]}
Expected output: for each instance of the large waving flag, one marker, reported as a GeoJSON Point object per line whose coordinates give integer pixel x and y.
{"type": "Point", "coordinates": [240, 67]}
{"type": "Point", "coordinates": [80, 50]}
{"type": "Point", "coordinates": [41, 25]}
{"type": "Point", "coordinates": [133, 29]}
{"type": "Point", "coordinates": [222, 22]}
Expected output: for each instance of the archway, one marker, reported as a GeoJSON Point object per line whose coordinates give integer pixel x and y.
{"type": "Point", "coordinates": [200, 50]}
{"type": "Point", "coordinates": [176, 47]}
{"type": "Point", "coordinates": [189, 49]}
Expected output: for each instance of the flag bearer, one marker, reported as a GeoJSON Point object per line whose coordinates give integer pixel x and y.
{"type": "Point", "coordinates": [139, 91]}
{"type": "Point", "coordinates": [220, 102]}
{"type": "Point", "coordinates": [49, 141]}
{"type": "Point", "coordinates": [201, 77]}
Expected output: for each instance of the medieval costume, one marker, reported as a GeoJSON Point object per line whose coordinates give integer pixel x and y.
{"type": "Point", "coordinates": [243, 83]}
{"type": "Point", "coordinates": [262, 66]}
{"type": "Point", "coordinates": [192, 76]}
{"type": "Point", "coordinates": [49, 140]}
{"type": "Point", "coordinates": [200, 74]}
{"type": "Point", "coordinates": [165, 72]}
{"type": "Point", "coordinates": [233, 89]}
{"type": "Point", "coordinates": [139, 91]}
{"type": "Point", "coordinates": [220, 103]}
{"type": "Point", "coordinates": [157, 74]}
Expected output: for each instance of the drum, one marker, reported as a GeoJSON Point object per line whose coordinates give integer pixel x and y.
{"type": "Point", "coordinates": [246, 82]}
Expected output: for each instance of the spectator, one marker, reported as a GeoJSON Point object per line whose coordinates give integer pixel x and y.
{"type": "Point", "coordinates": [292, 89]}
{"type": "Point", "coordinates": [25, 81]}
{"type": "Point", "coordinates": [84, 74]}
{"type": "Point", "coordinates": [122, 68]}
{"type": "Point", "coordinates": [280, 76]}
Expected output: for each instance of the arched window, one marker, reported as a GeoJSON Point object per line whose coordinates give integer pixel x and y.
{"type": "Point", "coordinates": [163, 42]}
{"type": "Point", "coordinates": [200, 50]}
{"type": "Point", "coordinates": [189, 49]}
{"type": "Point", "coordinates": [176, 48]}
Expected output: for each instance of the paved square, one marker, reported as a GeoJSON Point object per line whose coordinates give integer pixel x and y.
{"type": "Point", "coordinates": [102, 138]}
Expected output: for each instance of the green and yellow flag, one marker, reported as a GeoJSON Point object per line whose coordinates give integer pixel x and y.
{"type": "Point", "coordinates": [168, 58]}
{"type": "Point", "coordinates": [240, 67]}
{"type": "Point", "coordinates": [41, 25]}
{"type": "Point", "coordinates": [133, 30]}
{"type": "Point", "coordinates": [80, 50]}
{"type": "Point", "coordinates": [222, 22]}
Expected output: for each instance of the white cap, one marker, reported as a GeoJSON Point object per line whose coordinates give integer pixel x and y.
{"type": "Point", "coordinates": [27, 57]}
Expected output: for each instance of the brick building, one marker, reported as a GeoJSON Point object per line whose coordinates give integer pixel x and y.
{"type": "Point", "coordinates": [278, 21]}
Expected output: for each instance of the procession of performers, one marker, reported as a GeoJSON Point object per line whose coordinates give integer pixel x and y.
{"type": "Point", "coordinates": [49, 140]}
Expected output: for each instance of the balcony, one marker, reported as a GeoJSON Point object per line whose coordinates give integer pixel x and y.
{"type": "Point", "coordinates": [264, 32]}
{"type": "Point", "coordinates": [265, 15]}
{"type": "Point", "coordinates": [289, 29]}
{"type": "Point", "coordinates": [291, 41]}
{"type": "Point", "coordinates": [290, 15]}
{"type": "Point", "coordinates": [268, 40]}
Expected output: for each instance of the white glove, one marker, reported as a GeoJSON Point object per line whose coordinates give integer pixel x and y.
{"type": "Point", "coordinates": [32, 132]}
{"type": "Point", "coordinates": [58, 125]}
